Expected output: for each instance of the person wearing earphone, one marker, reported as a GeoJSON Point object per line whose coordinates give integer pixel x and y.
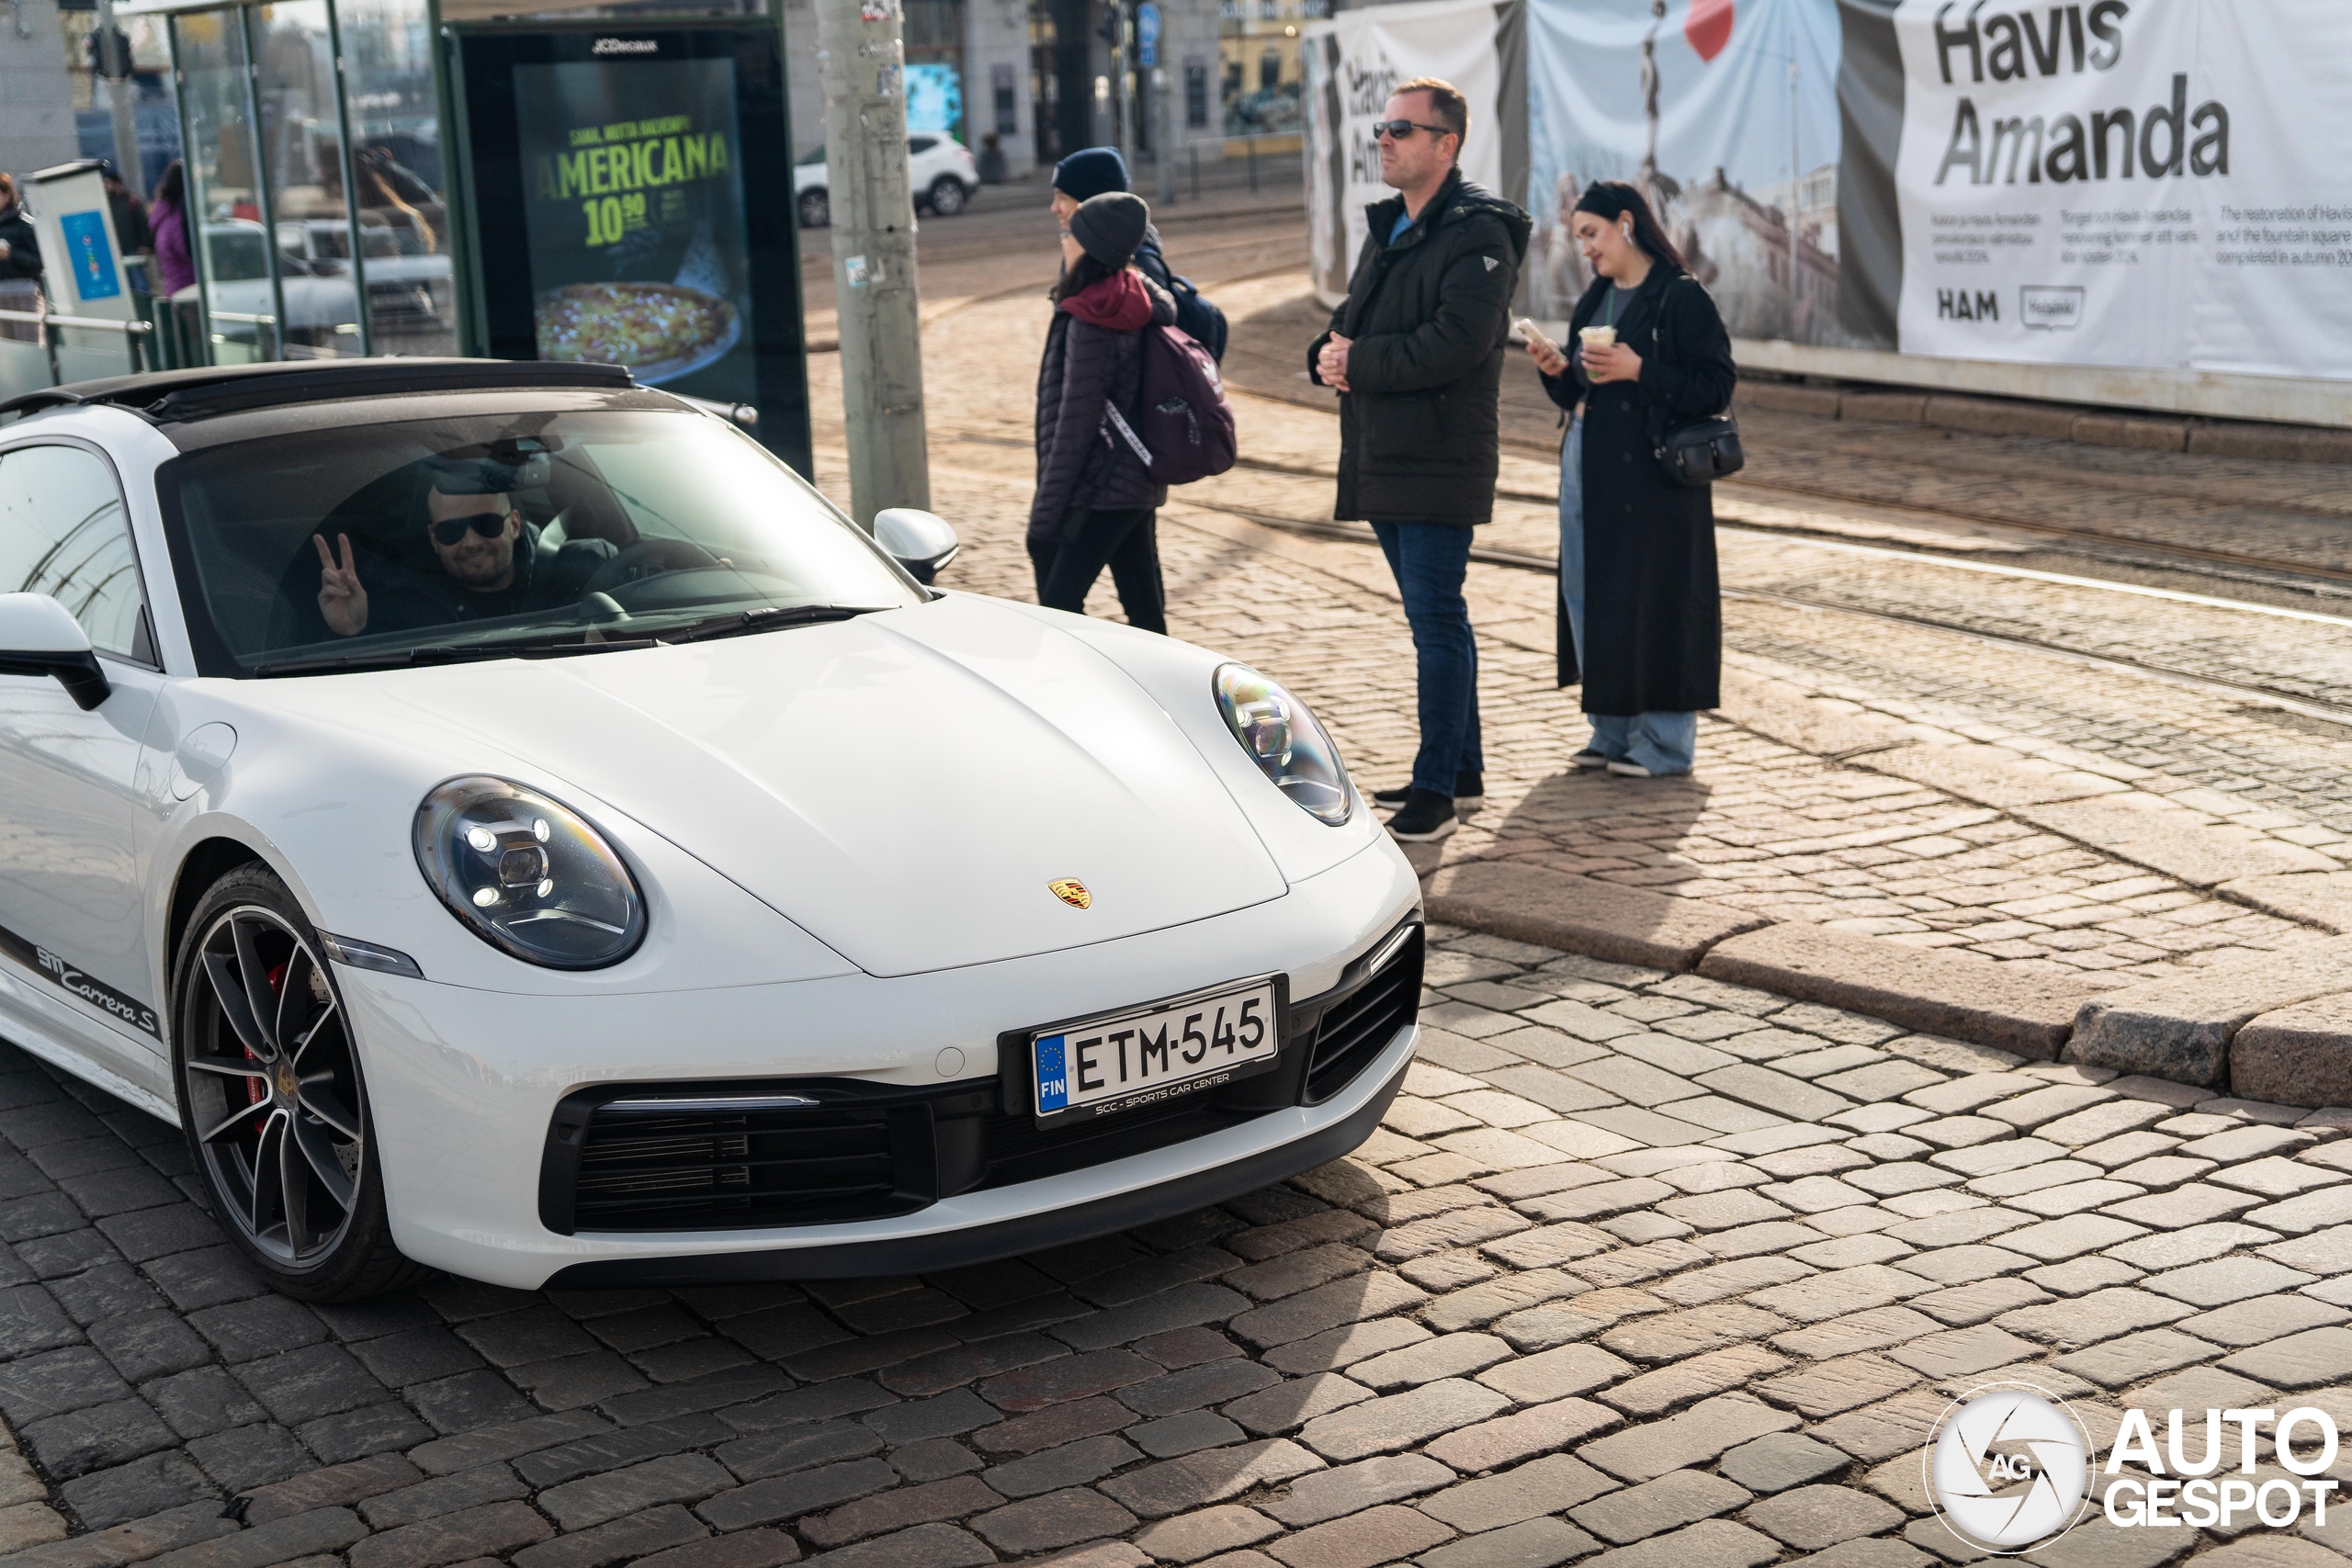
{"type": "Point", "coordinates": [1640, 611]}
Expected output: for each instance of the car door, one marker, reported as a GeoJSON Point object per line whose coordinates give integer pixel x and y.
{"type": "Point", "coordinates": [73, 939]}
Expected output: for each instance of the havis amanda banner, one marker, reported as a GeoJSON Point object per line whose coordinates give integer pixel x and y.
{"type": "Point", "coordinates": [2149, 183]}
{"type": "Point", "coordinates": [2138, 201]}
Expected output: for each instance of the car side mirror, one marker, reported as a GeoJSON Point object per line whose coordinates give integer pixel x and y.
{"type": "Point", "coordinates": [39, 636]}
{"type": "Point", "coordinates": [920, 541]}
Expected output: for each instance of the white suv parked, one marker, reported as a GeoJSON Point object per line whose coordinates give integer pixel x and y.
{"type": "Point", "coordinates": [939, 172]}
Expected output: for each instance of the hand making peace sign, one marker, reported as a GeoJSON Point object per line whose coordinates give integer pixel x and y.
{"type": "Point", "coordinates": [342, 600]}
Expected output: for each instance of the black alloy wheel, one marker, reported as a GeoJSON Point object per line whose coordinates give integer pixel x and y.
{"type": "Point", "coordinates": [816, 208]}
{"type": "Point", "coordinates": [272, 1098]}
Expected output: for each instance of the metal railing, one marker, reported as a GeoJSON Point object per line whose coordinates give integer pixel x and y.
{"type": "Point", "coordinates": [45, 321]}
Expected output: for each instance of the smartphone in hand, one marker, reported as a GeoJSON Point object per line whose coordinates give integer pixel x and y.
{"type": "Point", "coordinates": [1535, 335]}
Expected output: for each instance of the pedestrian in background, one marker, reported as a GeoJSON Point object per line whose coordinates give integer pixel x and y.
{"type": "Point", "coordinates": [19, 249]}
{"type": "Point", "coordinates": [167, 221]}
{"type": "Point", "coordinates": [174, 268]}
{"type": "Point", "coordinates": [1416, 353]}
{"type": "Point", "coordinates": [1096, 502]}
{"type": "Point", "coordinates": [130, 213]}
{"type": "Point", "coordinates": [1640, 610]}
{"type": "Point", "coordinates": [1100, 170]}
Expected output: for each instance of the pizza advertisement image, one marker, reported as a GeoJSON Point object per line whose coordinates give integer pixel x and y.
{"type": "Point", "coordinates": [632, 175]}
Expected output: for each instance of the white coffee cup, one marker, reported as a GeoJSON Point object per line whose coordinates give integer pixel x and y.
{"type": "Point", "coordinates": [1598, 337]}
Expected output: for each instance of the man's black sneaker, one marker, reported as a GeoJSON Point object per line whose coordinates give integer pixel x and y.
{"type": "Point", "coordinates": [1427, 817]}
{"type": "Point", "coordinates": [1469, 793]}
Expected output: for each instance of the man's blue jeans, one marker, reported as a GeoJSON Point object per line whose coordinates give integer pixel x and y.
{"type": "Point", "coordinates": [1430, 561]}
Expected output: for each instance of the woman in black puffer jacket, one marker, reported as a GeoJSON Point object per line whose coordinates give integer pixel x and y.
{"type": "Point", "coordinates": [1095, 499]}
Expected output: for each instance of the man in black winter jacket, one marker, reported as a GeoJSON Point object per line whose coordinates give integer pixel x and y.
{"type": "Point", "coordinates": [1415, 354]}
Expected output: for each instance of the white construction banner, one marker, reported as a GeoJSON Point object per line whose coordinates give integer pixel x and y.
{"type": "Point", "coordinates": [1353, 63]}
{"type": "Point", "coordinates": [2164, 183]}
{"type": "Point", "coordinates": [1724, 113]}
{"type": "Point", "coordinates": [2151, 199]}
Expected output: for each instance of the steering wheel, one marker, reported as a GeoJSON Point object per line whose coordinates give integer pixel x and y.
{"type": "Point", "coordinates": [648, 557]}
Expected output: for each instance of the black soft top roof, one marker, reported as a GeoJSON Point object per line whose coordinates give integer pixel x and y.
{"type": "Point", "coordinates": [174, 396]}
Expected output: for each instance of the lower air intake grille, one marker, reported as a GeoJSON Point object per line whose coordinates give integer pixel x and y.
{"type": "Point", "coordinates": [1357, 1026]}
{"type": "Point", "coordinates": [731, 1169]}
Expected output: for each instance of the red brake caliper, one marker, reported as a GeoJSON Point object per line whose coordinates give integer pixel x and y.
{"type": "Point", "coordinates": [256, 1091]}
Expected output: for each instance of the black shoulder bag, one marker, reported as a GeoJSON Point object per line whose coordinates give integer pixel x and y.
{"type": "Point", "coordinates": [1695, 455]}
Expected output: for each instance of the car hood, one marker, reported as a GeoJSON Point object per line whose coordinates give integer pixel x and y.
{"type": "Point", "coordinates": [905, 786]}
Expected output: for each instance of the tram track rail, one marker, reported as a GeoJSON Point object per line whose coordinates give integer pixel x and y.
{"type": "Point", "coordinates": [2268, 570]}
{"type": "Point", "coordinates": [2290, 702]}
{"type": "Point", "coordinates": [2125, 550]}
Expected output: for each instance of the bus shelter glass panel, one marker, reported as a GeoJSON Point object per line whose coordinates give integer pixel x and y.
{"type": "Point", "coordinates": [301, 143]}
{"type": "Point", "coordinates": [224, 190]}
{"type": "Point", "coordinates": [399, 173]}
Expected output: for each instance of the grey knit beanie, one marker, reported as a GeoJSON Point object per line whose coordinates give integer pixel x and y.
{"type": "Point", "coordinates": [1109, 227]}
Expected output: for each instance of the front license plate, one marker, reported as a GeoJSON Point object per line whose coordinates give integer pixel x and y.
{"type": "Point", "coordinates": [1129, 1059]}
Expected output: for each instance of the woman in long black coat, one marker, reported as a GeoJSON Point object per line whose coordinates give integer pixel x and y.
{"type": "Point", "coordinates": [1642, 614]}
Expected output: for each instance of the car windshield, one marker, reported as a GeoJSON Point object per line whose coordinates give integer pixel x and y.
{"type": "Point", "coordinates": [490, 535]}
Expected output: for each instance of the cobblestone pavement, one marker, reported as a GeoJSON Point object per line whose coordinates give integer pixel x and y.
{"type": "Point", "coordinates": [1641, 1269]}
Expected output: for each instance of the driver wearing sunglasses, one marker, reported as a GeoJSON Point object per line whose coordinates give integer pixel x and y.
{"type": "Point", "coordinates": [488, 558]}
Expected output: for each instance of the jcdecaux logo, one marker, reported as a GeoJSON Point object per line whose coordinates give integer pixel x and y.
{"type": "Point", "coordinates": [2012, 1468]}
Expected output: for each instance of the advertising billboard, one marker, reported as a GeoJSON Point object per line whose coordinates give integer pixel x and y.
{"type": "Point", "coordinates": [622, 184]}
{"type": "Point", "coordinates": [635, 220]}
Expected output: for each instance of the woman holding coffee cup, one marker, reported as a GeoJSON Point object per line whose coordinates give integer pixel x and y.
{"type": "Point", "coordinates": [1640, 611]}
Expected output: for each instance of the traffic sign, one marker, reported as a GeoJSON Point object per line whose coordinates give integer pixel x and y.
{"type": "Point", "coordinates": [1148, 34]}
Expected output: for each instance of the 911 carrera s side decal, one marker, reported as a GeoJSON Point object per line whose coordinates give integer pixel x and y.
{"type": "Point", "coordinates": [65, 978]}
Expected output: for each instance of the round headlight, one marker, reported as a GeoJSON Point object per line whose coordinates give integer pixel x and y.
{"type": "Point", "coordinates": [1283, 738]}
{"type": "Point", "coordinates": [528, 875]}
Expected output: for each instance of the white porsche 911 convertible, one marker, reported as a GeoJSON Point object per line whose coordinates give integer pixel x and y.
{"type": "Point", "coordinates": [515, 826]}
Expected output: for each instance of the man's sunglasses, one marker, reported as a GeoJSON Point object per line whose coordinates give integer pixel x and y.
{"type": "Point", "coordinates": [1398, 129]}
{"type": "Point", "coordinates": [449, 530]}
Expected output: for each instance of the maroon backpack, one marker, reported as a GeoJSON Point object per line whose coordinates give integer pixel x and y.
{"type": "Point", "coordinates": [1179, 426]}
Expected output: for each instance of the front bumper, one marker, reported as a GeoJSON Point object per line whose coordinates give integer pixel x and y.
{"type": "Point", "coordinates": [1136, 1191]}
{"type": "Point", "coordinates": [463, 1085]}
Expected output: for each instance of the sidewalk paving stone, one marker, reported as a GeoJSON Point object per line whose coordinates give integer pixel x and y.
{"type": "Point", "coordinates": [1545, 1485]}
{"type": "Point", "coordinates": [1810, 1518]}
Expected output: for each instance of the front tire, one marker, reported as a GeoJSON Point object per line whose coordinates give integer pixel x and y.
{"type": "Point", "coordinates": [271, 1096]}
{"type": "Point", "coordinates": [816, 208]}
{"type": "Point", "coordinates": [947, 196]}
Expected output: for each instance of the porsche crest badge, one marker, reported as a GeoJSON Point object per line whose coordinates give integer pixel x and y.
{"type": "Point", "coordinates": [1071, 891]}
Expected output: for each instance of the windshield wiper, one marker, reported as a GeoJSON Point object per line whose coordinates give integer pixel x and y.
{"type": "Point", "coordinates": [570, 641]}
{"type": "Point", "coordinates": [775, 617]}
{"type": "Point", "coordinates": [553, 646]}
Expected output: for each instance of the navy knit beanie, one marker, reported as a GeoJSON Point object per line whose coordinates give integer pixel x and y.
{"type": "Point", "coordinates": [1089, 172]}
